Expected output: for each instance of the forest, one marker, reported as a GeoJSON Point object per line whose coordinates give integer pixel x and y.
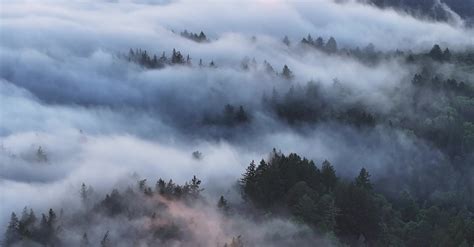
{"type": "Point", "coordinates": [348, 212]}
{"type": "Point", "coordinates": [248, 123]}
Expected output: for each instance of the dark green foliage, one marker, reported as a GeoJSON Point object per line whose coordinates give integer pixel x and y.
{"type": "Point", "coordinates": [353, 210]}
{"type": "Point", "coordinates": [284, 186]}
{"type": "Point", "coordinates": [359, 215]}
{"type": "Point", "coordinates": [318, 43]}
{"type": "Point", "coordinates": [363, 180]}
{"type": "Point", "coordinates": [130, 204]}
{"type": "Point", "coordinates": [331, 46]}
{"type": "Point", "coordinates": [200, 38]}
{"type": "Point", "coordinates": [436, 53]}
{"type": "Point", "coordinates": [424, 214]}
{"type": "Point", "coordinates": [12, 234]}
{"type": "Point", "coordinates": [446, 54]}
{"type": "Point", "coordinates": [177, 58]}
{"type": "Point", "coordinates": [328, 176]}
{"type": "Point", "coordinates": [298, 104]}
{"type": "Point", "coordinates": [143, 58]}
{"type": "Point", "coordinates": [113, 204]}
{"type": "Point", "coordinates": [409, 208]}
{"type": "Point", "coordinates": [358, 117]}
{"type": "Point", "coordinates": [230, 117]}
{"type": "Point", "coordinates": [309, 104]}
{"type": "Point", "coordinates": [223, 205]}
{"type": "Point", "coordinates": [27, 223]}
{"type": "Point", "coordinates": [267, 184]}
{"type": "Point", "coordinates": [189, 191]}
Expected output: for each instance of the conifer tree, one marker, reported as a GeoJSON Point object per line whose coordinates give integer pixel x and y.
{"type": "Point", "coordinates": [223, 205]}
{"type": "Point", "coordinates": [287, 73]}
{"type": "Point", "coordinates": [436, 53]}
{"type": "Point", "coordinates": [328, 176]}
{"type": "Point", "coordinates": [363, 180]}
{"type": "Point", "coordinates": [331, 46]}
{"type": "Point", "coordinates": [12, 234]}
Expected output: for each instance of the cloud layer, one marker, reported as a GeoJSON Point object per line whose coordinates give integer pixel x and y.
{"type": "Point", "coordinates": [99, 119]}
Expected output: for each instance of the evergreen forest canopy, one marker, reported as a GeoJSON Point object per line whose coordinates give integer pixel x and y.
{"type": "Point", "coordinates": [118, 130]}
{"type": "Point", "coordinates": [341, 211]}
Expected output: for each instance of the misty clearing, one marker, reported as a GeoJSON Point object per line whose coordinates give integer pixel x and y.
{"type": "Point", "coordinates": [236, 123]}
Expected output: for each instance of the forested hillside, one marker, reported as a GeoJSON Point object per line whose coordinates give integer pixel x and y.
{"type": "Point", "coordinates": [236, 123]}
{"type": "Point", "coordinates": [442, 10]}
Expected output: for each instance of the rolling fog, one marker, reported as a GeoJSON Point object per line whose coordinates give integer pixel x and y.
{"type": "Point", "coordinates": [105, 121]}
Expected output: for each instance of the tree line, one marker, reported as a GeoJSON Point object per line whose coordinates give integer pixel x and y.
{"type": "Point", "coordinates": [353, 212]}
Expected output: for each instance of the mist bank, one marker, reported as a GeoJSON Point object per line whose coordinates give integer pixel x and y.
{"type": "Point", "coordinates": [110, 92]}
{"type": "Point", "coordinates": [284, 200]}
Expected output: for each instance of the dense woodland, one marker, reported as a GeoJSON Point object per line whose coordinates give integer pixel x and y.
{"type": "Point", "coordinates": [437, 108]}
{"type": "Point", "coordinates": [288, 186]}
{"type": "Point", "coordinates": [235, 123]}
{"type": "Point", "coordinates": [447, 124]}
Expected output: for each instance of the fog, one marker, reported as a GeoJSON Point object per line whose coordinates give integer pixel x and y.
{"type": "Point", "coordinates": [103, 120]}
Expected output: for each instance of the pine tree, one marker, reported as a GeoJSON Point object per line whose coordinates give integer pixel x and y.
{"type": "Point", "coordinates": [163, 58]}
{"type": "Point", "coordinates": [310, 39]}
{"type": "Point", "coordinates": [202, 37]}
{"type": "Point", "coordinates": [446, 55]}
{"type": "Point", "coordinates": [27, 222]}
{"type": "Point", "coordinates": [268, 67]}
{"type": "Point", "coordinates": [286, 73]}
{"type": "Point", "coordinates": [194, 187]}
{"type": "Point", "coordinates": [328, 176]}
{"type": "Point", "coordinates": [154, 62]}
{"type": "Point", "coordinates": [436, 53]}
{"type": "Point", "coordinates": [223, 205]}
{"type": "Point", "coordinates": [331, 46]}
{"type": "Point", "coordinates": [12, 234]}
{"type": "Point", "coordinates": [249, 175]}
{"type": "Point", "coordinates": [241, 115]}
{"type": "Point", "coordinates": [41, 155]}
{"type": "Point", "coordinates": [50, 229]}
{"type": "Point", "coordinates": [177, 58]}
{"type": "Point", "coordinates": [188, 60]}
{"type": "Point", "coordinates": [363, 180]}
{"type": "Point", "coordinates": [248, 182]}
{"type": "Point", "coordinates": [319, 43]}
